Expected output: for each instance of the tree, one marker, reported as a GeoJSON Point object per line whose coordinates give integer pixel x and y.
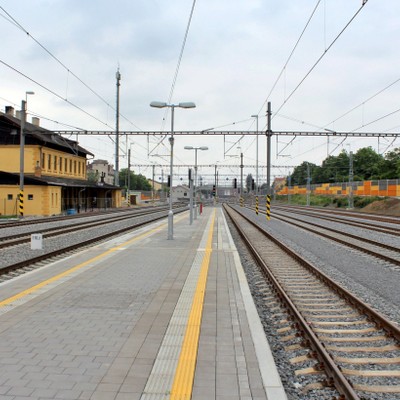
{"type": "Point", "coordinates": [249, 180]}
{"type": "Point", "coordinates": [391, 165]}
{"type": "Point", "coordinates": [368, 164]}
{"type": "Point", "coordinates": [299, 176]}
{"type": "Point", "coordinates": [137, 182]}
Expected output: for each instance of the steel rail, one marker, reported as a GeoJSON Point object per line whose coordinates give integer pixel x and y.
{"type": "Point", "coordinates": [328, 365]}
{"type": "Point", "coordinates": [85, 243]}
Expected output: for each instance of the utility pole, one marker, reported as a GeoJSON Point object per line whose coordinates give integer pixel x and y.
{"type": "Point", "coordinates": [289, 188]}
{"type": "Point", "coordinates": [351, 177]}
{"type": "Point", "coordinates": [129, 178]}
{"type": "Point", "coordinates": [116, 173]}
{"type": "Point", "coordinates": [152, 187]}
{"type": "Point", "coordinates": [308, 184]}
{"type": "Point", "coordinates": [269, 134]}
{"type": "Point", "coordinates": [241, 180]}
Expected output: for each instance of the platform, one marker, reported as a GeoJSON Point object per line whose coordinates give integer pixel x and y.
{"type": "Point", "coordinates": [139, 317]}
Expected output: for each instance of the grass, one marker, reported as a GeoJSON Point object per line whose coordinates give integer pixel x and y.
{"type": "Point", "coordinates": [326, 201]}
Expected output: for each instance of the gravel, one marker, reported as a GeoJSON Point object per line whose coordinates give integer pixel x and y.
{"type": "Point", "coordinates": [373, 281]}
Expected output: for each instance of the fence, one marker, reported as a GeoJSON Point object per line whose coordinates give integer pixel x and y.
{"type": "Point", "coordinates": [383, 188]}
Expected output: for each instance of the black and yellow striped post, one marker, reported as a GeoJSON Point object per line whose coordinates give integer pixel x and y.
{"type": "Point", "coordinates": [21, 203]}
{"type": "Point", "coordinates": [257, 205]}
{"type": "Point", "coordinates": [241, 201]}
{"type": "Point", "coordinates": [268, 206]}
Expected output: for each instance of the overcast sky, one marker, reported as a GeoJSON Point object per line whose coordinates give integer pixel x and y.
{"type": "Point", "coordinates": [235, 52]}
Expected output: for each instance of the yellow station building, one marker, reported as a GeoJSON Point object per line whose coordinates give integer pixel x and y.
{"type": "Point", "coordinates": [55, 179]}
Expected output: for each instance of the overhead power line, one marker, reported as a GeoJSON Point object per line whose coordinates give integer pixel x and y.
{"type": "Point", "coordinates": [290, 55]}
{"type": "Point", "coordinates": [321, 57]}
{"type": "Point", "coordinates": [13, 21]}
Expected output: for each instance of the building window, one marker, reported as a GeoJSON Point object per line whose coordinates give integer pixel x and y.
{"type": "Point", "coordinates": [30, 196]}
{"type": "Point", "coordinates": [79, 168]}
{"type": "Point", "coordinates": [49, 162]}
{"type": "Point", "coordinates": [70, 166]}
{"type": "Point", "coordinates": [60, 164]}
{"type": "Point", "coordinates": [66, 165]}
{"type": "Point", "coordinates": [43, 159]}
{"type": "Point", "coordinates": [9, 197]}
{"type": "Point", "coordinates": [75, 167]}
{"type": "Point", "coordinates": [55, 163]}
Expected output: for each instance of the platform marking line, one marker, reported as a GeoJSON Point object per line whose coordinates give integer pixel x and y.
{"type": "Point", "coordinates": [184, 375]}
{"type": "Point", "coordinates": [57, 278]}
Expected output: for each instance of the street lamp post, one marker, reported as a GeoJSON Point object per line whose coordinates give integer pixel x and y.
{"type": "Point", "coordinates": [159, 104]}
{"type": "Point", "coordinates": [21, 154]}
{"type": "Point", "coordinates": [195, 173]}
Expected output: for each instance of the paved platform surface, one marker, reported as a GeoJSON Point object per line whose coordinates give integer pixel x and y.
{"type": "Point", "coordinates": [139, 317]}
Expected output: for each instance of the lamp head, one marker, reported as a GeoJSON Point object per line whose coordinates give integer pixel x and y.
{"type": "Point", "coordinates": [158, 104]}
{"type": "Point", "coordinates": [254, 116]}
{"type": "Point", "coordinates": [188, 104]}
{"type": "Point", "coordinates": [188, 147]}
{"type": "Point", "coordinates": [203, 148]}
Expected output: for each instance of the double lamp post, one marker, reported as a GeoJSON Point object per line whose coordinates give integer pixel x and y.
{"type": "Point", "coordinates": [159, 104]}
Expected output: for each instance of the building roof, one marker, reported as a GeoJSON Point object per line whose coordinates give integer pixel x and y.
{"type": "Point", "coordinates": [7, 178]}
{"type": "Point", "coordinates": [36, 135]}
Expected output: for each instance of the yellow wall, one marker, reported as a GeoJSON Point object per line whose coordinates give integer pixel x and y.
{"type": "Point", "coordinates": [52, 162]}
{"type": "Point", "coordinates": [38, 200]}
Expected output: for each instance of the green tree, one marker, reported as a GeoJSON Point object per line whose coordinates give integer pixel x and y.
{"type": "Point", "coordinates": [137, 182]}
{"type": "Point", "coordinates": [249, 180]}
{"type": "Point", "coordinates": [299, 176]}
{"type": "Point", "coordinates": [391, 165]}
{"type": "Point", "coordinates": [368, 163]}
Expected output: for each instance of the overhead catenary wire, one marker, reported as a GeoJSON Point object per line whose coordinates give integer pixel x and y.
{"type": "Point", "coordinates": [321, 57]}
{"type": "Point", "coordinates": [53, 93]}
{"type": "Point", "coordinates": [290, 55]}
{"type": "Point", "coordinates": [174, 80]}
{"type": "Point", "coordinates": [13, 21]}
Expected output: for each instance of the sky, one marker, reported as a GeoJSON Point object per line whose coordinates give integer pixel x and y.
{"type": "Point", "coordinates": [238, 55]}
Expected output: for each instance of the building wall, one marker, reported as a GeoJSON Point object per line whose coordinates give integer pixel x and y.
{"type": "Point", "coordinates": [51, 162]}
{"type": "Point", "coordinates": [39, 200]}
{"type": "Point", "coordinates": [104, 167]}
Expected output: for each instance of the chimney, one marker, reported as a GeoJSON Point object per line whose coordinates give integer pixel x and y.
{"type": "Point", "coordinates": [10, 111]}
{"type": "Point", "coordinates": [36, 121]}
{"type": "Point", "coordinates": [38, 170]}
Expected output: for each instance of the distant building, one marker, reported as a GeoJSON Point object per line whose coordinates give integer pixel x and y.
{"type": "Point", "coordinates": [181, 192]}
{"type": "Point", "coordinates": [101, 171]}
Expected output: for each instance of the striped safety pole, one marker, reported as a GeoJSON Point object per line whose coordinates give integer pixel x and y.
{"type": "Point", "coordinates": [257, 205]}
{"type": "Point", "coordinates": [241, 201]}
{"type": "Point", "coordinates": [268, 205]}
{"type": "Point", "coordinates": [21, 203]}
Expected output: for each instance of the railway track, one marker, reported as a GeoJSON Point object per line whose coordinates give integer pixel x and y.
{"type": "Point", "coordinates": [98, 221]}
{"type": "Point", "coordinates": [342, 213]}
{"type": "Point", "coordinates": [364, 224]}
{"type": "Point", "coordinates": [388, 253]}
{"type": "Point", "coordinates": [27, 264]}
{"type": "Point", "coordinates": [356, 348]}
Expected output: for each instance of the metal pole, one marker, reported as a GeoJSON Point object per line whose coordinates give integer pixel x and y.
{"type": "Point", "coordinates": [21, 159]}
{"type": "Point", "coordinates": [191, 197]}
{"type": "Point", "coordinates": [351, 177]}
{"type": "Point", "coordinates": [241, 177]}
{"type": "Point", "coordinates": [308, 184]}
{"type": "Point", "coordinates": [129, 178]}
{"type": "Point", "coordinates": [269, 134]}
{"type": "Point", "coordinates": [116, 172]}
{"type": "Point", "coordinates": [152, 188]}
{"type": "Point", "coordinates": [170, 213]}
{"type": "Point", "coordinates": [195, 182]}
{"type": "Point", "coordinates": [256, 117]}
